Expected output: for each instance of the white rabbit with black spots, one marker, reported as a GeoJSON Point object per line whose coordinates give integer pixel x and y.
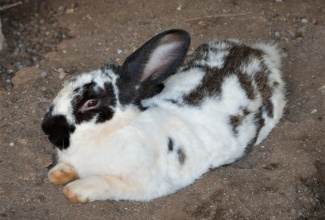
{"type": "Point", "coordinates": [158, 122]}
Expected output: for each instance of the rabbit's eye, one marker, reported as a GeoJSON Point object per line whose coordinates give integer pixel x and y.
{"type": "Point", "coordinates": [90, 104]}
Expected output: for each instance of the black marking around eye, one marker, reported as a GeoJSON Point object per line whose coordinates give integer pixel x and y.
{"type": "Point", "coordinates": [107, 100]}
{"type": "Point", "coordinates": [170, 145]}
{"type": "Point", "coordinates": [181, 155]}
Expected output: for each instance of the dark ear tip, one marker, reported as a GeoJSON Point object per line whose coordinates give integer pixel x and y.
{"type": "Point", "coordinates": [182, 33]}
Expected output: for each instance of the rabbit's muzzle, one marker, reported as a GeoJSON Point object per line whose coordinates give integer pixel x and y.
{"type": "Point", "coordinates": [57, 129]}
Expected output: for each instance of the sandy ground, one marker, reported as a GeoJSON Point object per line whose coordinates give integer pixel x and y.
{"type": "Point", "coordinates": [282, 178]}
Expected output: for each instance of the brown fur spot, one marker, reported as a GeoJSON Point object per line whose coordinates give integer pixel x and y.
{"type": "Point", "coordinates": [199, 54]}
{"type": "Point", "coordinates": [71, 197]}
{"type": "Point", "coordinates": [214, 77]}
{"type": "Point", "coordinates": [237, 120]}
{"type": "Point", "coordinates": [181, 156]}
{"type": "Point", "coordinates": [261, 79]}
{"type": "Point", "coordinates": [247, 86]}
{"type": "Point", "coordinates": [63, 176]}
{"type": "Point", "coordinates": [259, 122]}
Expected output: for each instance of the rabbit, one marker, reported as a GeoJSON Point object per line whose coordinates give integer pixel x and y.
{"type": "Point", "coordinates": [162, 119]}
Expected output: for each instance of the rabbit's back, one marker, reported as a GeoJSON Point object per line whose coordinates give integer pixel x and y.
{"type": "Point", "coordinates": [229, 95]}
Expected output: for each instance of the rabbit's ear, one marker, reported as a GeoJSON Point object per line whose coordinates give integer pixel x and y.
{"type": "Point", "coordinates": [158, 58]}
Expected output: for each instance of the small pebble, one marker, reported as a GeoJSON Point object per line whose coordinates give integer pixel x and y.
{"type": "Point", "coordinates": [119, 51]}
{"type": "Point", "coordinates": [19, 66]}
{"type": "Point", "coordinates": [313, 111]}
{"type": "Point", "coordinates": [62, 73]}
{"type": "Point", "coordinates": [315, 22]}
{"type": "Point", "coordinates": [8, 81]}
{"type": "Point", "coordinates": [12, 144]}
{"type": "Point", "coordinates": [64, 51]}
{"type": "Point", "coordinates": [304, 21]}
{"type": "Point", "coordinates": [44, 74]}
{"type": "Point", "coordinates": [43, 89]}
{"type": "Point", "coordinates": [292, 34]}
{"type": "Point", "coordinates": [61, 9]}
{"type": "Point", "coordinates": [277, 34]}
{"type": "Point", "coordinates": [278, 0]}
{"type": "Point", "coordinates": [35, 58]}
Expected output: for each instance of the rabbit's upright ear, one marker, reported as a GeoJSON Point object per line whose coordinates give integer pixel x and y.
{"type": "Point", "coordinates": [158, 58]}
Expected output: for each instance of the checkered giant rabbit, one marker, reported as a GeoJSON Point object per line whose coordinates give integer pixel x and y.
{"type": "Point", "coordinates": [159, 121]}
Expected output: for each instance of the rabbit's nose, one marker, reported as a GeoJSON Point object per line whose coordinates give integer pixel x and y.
{"type": "Point", "coordinates": [57, 129]}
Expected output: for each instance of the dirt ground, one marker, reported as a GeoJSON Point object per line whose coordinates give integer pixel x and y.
{"type": "Point", "coordinates": [282, 178]}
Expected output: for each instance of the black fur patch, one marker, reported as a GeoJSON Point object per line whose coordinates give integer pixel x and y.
{"type": "Point", "coordinates": [147, 93]}
{"type": "Point", "coordinates": [170, 144]}
{"type": "Point", "coordinates": [91, 91]}
{"type": "Point", "coordinates": [58, 130]}
{"type": "Point", "coordinates": [181, 156]}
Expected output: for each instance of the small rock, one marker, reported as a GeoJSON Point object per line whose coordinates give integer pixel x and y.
{"type": "Point", "coordinates": [12, 144]}
{"type": "Point", "coordinates": [19, 66]}
{"type": "Point", "coordinates": [38, 47]}
{"type": "Point", "coordinates": [8, 81]}
{"type": "Point", "coordinates": [26, 74]}
{"type": "Point", "coordinates": [292, 34]}
{"type": "Point", "coordinates": [62, 74]}
{"type": "Point", "coordinates": [44, 74]}
{"type": "Point", "coordinates": [313, 111]}
{"type": "Point", "coordinates": [34, 58]}
{"type": "Point", "coordinates": [278, 0]}
{"type": "Point", "coordinates": [64, 51]}
{"type": "Point", "coordinates": [277, 34]}
{"type": "Point", "coordinates": [299, 40]}
{"type": "Point", "coordinates": [61, 9]}
{"type": "Point", "coordinates": [315, 22]}
{"type": "Point", "coordinates": [304, 21]}
{"type": "Point", "coordinates": [119, 51]}
{"type": "Point", "coordinates": [43, 89]}
{"type": "Point", "coordinates": [70, 10]}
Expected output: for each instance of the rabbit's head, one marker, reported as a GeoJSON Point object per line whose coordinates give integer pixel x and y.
{"type": "Point", "coordinates": [97, 96]}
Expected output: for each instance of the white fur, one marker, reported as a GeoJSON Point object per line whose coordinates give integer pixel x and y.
{"type": "Point", "coordinates": [127, 157]}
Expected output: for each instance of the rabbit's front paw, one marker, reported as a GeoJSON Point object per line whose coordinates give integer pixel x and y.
{"type": "Point", "coordinates": [62, 173]}
{"type": "Point", "coordinates": [85, 190]}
